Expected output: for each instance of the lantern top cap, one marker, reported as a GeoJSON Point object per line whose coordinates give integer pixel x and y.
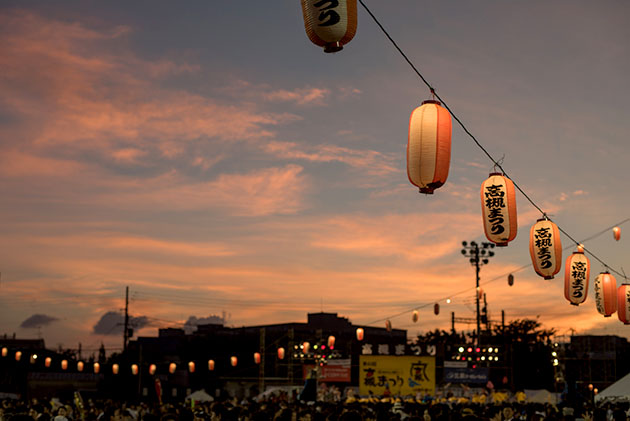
{"type": "Point", "coordinates": [431, 101]}
{"type": "Point", "coordinates": [495, 173]}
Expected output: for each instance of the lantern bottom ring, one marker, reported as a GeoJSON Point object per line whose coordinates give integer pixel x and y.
{"type": "Point", "coordinates": [607, 315]}
{"type": "Point", "coordinates": [501, 244]}
{"type": "Point", "coordinates": [547, 277]}
{"type": "Point", "coordinates": [333, 47]}
{"type": "Point", "coordinates": [574, 304]}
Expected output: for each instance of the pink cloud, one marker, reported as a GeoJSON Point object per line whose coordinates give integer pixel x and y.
{"type": "Point", "coordinates": [301, 96]}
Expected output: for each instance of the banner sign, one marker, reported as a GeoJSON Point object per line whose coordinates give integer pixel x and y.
{"type": "Point", "coordinates": [466, 375]}
{"type": "Point", "coordinates": [333, 371]}
{"type": "Point", "coordinates": [398, 375]}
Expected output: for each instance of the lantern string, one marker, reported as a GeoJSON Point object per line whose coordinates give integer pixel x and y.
{"type": "Point", "coordinates": [496, 163]}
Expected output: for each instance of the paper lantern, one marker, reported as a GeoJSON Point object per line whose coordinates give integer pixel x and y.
{"type": "Point", "coordinates": [436, 309]}
{"type": "Point", "coordinates": [414, 316]}
{"type": "Point", "coordinates": [605, 287]}
{"type": "Point", "coordinates": [360, 334]}
{"type": "Point", "coordinates": [172, 367]}
{"type": "Point", "coordinates": [330, 24]}
{"type": "Point", "coordinates": [64, 364]}
{"type": "Point", "coordinates": [510, 279]}
{"type": "Point", "coordinates": [257, 357]}
{"type": "Point", "coordinates": [577, 270]}
{"type": "Point", "coordinates": [545, 248]}
{"type": "Point", "coordinates": [498, 209]}
{"type": "Point", "coordinates": [97, 368]}
{"type": "Point", "coordinates": [115, 368]}
{"type": "Point", "coordinates": [429, 146]}
{"type": "Point", "coordinates": [134, 369]}
{"type": "Point", "coordinates": [18, 355]}
{"type": "Point", "coordinates": [80, 366]}
{"type": "Point", "coordinates": [388, 325]}
{"type": "Point", "coordinates": [331, 342]}
{"type": "Point", "coordinates": [617, 233]}
{"type": "Point", "coordinates": [47, 362]}
{"type": "Point", "coordinates": [211, 365]}
{"type": "Point", "coordinates": [191, 367]}
{"type": "Point", "coordinates": [5, 351]}
{"type": "Point", "coordinates": [33, 358]}
{"type": "Point", "coordinates": [281, 353]}
{"type": "Point", "coordinates": [623, 303]}
{"type": "Point", "coordinates": [233, 361]}
{"type": "Point", "coordinates": [306, 347]}
{"type": "Point", "coordinates": [152, 369]}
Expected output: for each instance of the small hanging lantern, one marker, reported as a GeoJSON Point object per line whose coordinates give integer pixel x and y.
{"type": "Point", "coordinates": [306, 346]}
{"type": "Point", "coordinates": [64, 364]}
{"type": "Point", "coordinates": [330, 24]}
{"type": "Point", "coordinates": [5, 351]}
{"type": "Point", "coordinates": [436, 309]}
{"type": "Point", "coordinates": [281, 353]}
{"type": "Point", "coordinates": [191, 367]}
{"type": "Point", "coordinates": [115, 368]}
{"type": "Point", "coordinates": [80, 366]}
{"type": "Point", "coordinates": [134, 369]}
{"type": "Point", "coordinates": [414, 316]}
{"type": "Point", "coordinates": [233, 361]}
{"type": "Point", "coordinates": [510, 279]}
{"type": "Point", "coordinates": [359, 334]}
{"type": "Point", "coordinates": [331, 342]}
{"type": "Point", "coordinates": [47, 362]}
{"type": "Point", "coordinates": [545, 248]}
{"type": "Point", "coordinates": [33, 358]}
{"type": "Point", "coordinates": [617, 233]}
{"type": "Point", "coordinates": [429, 146]}
{"type": "Point", "coordinates": [172, 367]}
{"type": "Point", "coordinates": [388, 325]}
{"type": "Point", "coordinates": [211, 365]}
{"type": "Point", "coordinates": [498, 209]}
{"type": "Point", "coordinates": [256, 357]}
{"type": "Point", "coordinates": [576, 274]}
{"type": "Point", "coordinates": [605, 288]}
{"type": "Point", "coordinates": [18, 355]}
{"type": "Point", "coordinates": [152, 369]}
{"type": "Point", "coordinates": [623, 303]}
{"type": "Point", "coordinates": [97, 368]}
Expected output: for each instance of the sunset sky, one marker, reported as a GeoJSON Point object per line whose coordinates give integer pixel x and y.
{"type": "Point", "coordinates": [210, 157]}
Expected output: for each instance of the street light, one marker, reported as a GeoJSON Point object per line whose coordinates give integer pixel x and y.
{"type": "Point", "coordinates": [478, 256]}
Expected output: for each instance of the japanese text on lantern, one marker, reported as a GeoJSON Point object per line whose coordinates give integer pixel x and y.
{"type": "Point", "coordinates": [327, 15]}
{"type": "Point", "coordinates": [543, 243]}
{"type": "Point", "coordinates": [495, 202]}
{"type": "Point", "coordinates": [578, 273]}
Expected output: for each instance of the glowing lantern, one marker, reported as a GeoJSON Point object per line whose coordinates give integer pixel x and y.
{"type": "Point", "coordinates": [577, 270]}
{"type": "Point", "coordinates": [115, 368]}
{"type": "Point", "coordinates": [257, 357]}
{"type": "Point", "coordinates": [47, 362]}
{"type": "Point", "coordinates": [414, 316]}
{"type": "Point", "coordinates": [18, 355]}
{"type": "Point", "coordinates": [545, 248]}
{"type": "Point", "coordinates": [331, 342]}
{"type": "Point", "coordinates": [436, 309]}
{"type": "Point", "coordinates": [510, 279]}
{"type": "Point", "coordinates": [306, 346]}
{"type": "Point", "coordinates": [617, 233]}
{"type": "Point", "coordinates": [388, 325]}
{"type": "Point", "coordinates": [330, 24]}
{"type": "Point", "coordinates": [623, 303]}
{"type": "Point", "coordinates": [211, 365]}
{"type": "Point", "coordinates": [5, 351]}
{"type": "Point", "coordinates": [33, 358]}
{"type": "Point", "coordinates": [97, 368]}
{"type": "Point", "coordinates": [172, 367]}
{"type": "Point", "coordinates": [359, 334]}
{"type": "Point", "coordinates": [64, 364]}
{"type": "Point", "coordinates": [280, 353]}
{"type": "Point", "coordinates": [429, 146]}
{"type": "Point", "coordinates": [80, 366]}
{"type": "Point", "coordinates": [233, 361]}
{"type": "Point", "coordinates": [191, 367]}
{"type": "Point", "coordinates": [605, 287]}
{"type": "Point", "coordinates": [134, 369]}
{"type": "Point", "coordinates": [152, 369]}
{"type": "Point", "coordinates": [498, 209]}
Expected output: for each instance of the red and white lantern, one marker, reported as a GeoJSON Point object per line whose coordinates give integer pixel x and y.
{"type": "Point", "coordinates": [191, 367]}
{"type": "Point", "coordinates": [134, 369]}
{"type": "Point", "coordinates": [281, 353]}
{"type": "Point", "coordinates": [498, 209]}
{"type": "Point", "coordinates": [97, 368]}
{"type": "Point", "coordinates": [617, 233]}
{"type": "Point", "coordinates": [623, 303]}
{"type": "Point", "coordinates": [152, 369]}
{"type": "Point", "coordinates": [577, 269]}
{"type": "Point", "coordinates": [331, 342]}
{"type": "Point", "coordinates": [545, 248]}
{"type": "Point", "coordinates": [64, 364]}
{"type": "Point", "coordinates": [80, 366]}
{"type": "Point", "coordinates": [233, 361]}
{"type": "Point", "coordinates": [211, 365]}
{"type": "Point", "coordinates": [18, 355]}
{"type": "Point", "coordinates": [605, 287]}
{"type": "Point", "coordinates": [359, 334]}
{"type": "Point", "coordinates": [256, 357]}
{"type": "Point", "coordinates": [429, 146]}
{"type": "Point", "coordinates": [330, 24]}
{"type": "Point", "coordinates": [172, 367]}
{"type": "Point", "coordinates": [415, 316]}
{"type": "Point", "coordinates": [115, 368]}
{"type": "Point", "coordinates": [5, 351]}
{"type": "Point", "coordinates": [47, 362]}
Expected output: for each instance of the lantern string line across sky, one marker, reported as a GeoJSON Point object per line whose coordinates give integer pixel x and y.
{"type": "Point", "coordinates": [496, 163]}
{"type": "Point", "coordinates": [496, 278]}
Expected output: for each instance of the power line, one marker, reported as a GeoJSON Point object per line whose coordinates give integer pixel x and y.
{"type": "Point", "coordinates": [494, 161]}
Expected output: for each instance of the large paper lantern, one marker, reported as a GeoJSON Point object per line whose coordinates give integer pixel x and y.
{"type": "Point", "coordinates": [331, 342]}
{"type": "Point", "coordinates": [97, 368]}
{"type": "Point", "coordinates": [191, 367]}
{"type": "Point", "coordinates": [498, 209]}
{"type": "Point", "coordinates": [115, 368]}
{"type": "Point", "coordinates": [545, 248]}
{"type": "Point", "coordinates": [617, 233]}
{"type": "Point", "coordinates": [211, 365]}
{"type": "Point", "coordinates": [330, 23]}
{"type": "Point", "coordinates": [281, 353]}
{"type": "Point", "coordinates": [47, 362]}
{"type": "Point", "coordinates": [64, 364]}
{"type": "Point", "coordinates": [429, 146]}
{"type": "Point", "coordinates": [134, 369]}
{"type": "Point", "coordinates": [233, 361]}
{"type": "Point", "coordinates": [172, 367]}
{"type": "Point", "coordinates": [80, 366]}
{"type": "Point", "coordinates": [577, 270]}
{"type": "Point", "coordinates": [605, 287]}
{"type": "Point", "coordinates": [152, 369]}
{"type": "Point", "coordinates": [623, 303]}
{"type": "Point", "coordinates": [414, 316]}
{"type": "Point", "coordinates": [359, 334]}
{"type": "Point", "coordinates": [256, 357]}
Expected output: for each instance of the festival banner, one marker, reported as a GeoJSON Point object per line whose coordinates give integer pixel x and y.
{"type": "Point", "coordinates": [396, 375]}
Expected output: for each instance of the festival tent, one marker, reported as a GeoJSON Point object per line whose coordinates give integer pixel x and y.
{"type": "Point", "coordinates": [199, 396]}
{"type": "Point", "coordinates": [616, 392]}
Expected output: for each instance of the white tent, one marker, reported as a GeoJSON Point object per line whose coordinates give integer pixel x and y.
{"type": "Point", "coordinates": [200, 396]}
{"type": "Point", "coordinates": [619, 391]}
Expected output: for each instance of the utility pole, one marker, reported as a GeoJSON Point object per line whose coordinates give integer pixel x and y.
{"type": "Point", "coordinates": [126, 327]}
{"type": "Point", "coordinates": [478, 257]}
